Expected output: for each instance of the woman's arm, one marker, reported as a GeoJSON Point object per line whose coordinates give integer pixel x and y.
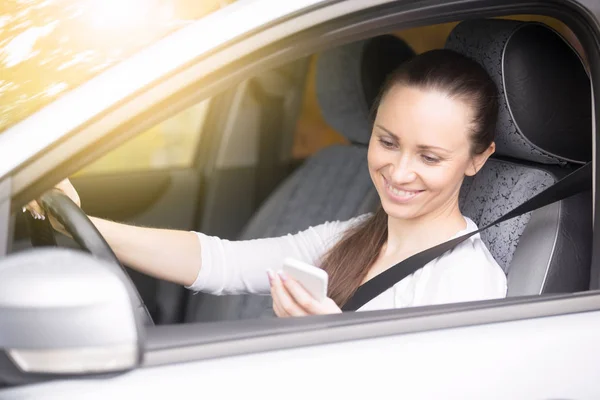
{"type": "Point", "coordinates": [170, 255]}
{"type": "Point", "coordinates": [165, 254]}
{"type": "Point", "coordinates": [237, 267]}
{"type": "Point", "coordinates": [207, 263]}
{"type": "Point", "coordinates": [234, 267]}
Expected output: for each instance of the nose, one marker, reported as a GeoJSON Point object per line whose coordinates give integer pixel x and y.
{"type": "Point", "coordinates": [402, 170]}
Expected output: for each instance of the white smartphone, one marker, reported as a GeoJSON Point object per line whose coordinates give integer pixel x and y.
{"type": "Point", "coordinates": [312, 278]}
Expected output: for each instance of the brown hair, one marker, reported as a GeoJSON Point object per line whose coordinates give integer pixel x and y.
{"type": "Point", "coordinates": [348, 262]}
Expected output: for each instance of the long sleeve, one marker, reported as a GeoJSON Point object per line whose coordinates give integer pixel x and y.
{"type": "Point", "coordinates": [234, 267]}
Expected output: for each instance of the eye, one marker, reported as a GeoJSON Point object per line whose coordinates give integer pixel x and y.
{"type": "Point", "coordinates": [430, 159]}
{"type": "Point", "coordinates": [388, 144]}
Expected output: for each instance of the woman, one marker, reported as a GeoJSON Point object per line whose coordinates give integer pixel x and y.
{"type": "Point", "coordinates": [434, 125]}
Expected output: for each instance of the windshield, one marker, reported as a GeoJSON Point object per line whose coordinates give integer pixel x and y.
{"type": "Point", "coordinates": [50, 46]}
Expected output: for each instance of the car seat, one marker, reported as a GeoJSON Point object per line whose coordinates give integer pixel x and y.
{"type": "Point", "coordinates": [544, 131]}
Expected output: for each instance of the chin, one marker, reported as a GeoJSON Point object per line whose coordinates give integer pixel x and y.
{"type": "Point", "coordinates": [399, 211]}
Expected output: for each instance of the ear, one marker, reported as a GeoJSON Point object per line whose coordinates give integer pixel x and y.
{"type": "Point", "coordinates": [479, 159]}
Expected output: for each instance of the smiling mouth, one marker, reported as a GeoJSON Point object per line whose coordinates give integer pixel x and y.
{"type": "Point", "coordinates": [400, 194]}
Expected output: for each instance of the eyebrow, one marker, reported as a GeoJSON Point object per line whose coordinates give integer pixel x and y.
{"type": "Point", "coordinates": [421, 146]}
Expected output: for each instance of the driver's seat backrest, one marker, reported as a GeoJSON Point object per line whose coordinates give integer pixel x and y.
{"type": "Point", "coordinates": [334, 183]}
{"type": "Point", "coordinates": [544, 131]}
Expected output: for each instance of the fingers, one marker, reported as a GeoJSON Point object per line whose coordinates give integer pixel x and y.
{"type": "Point", "coordinates": [307, 302]}
{"type": "Point", "coordinates": [290, 299]}
{"type": "Point", "coordinates": [302, 298]}
{"type": "Point", "coordinates": [284, 304]}
{"type": "Point", "coordinates": [66, 187]}
{"type": "Point", "coordinates": [274, 294]}
{"type": "Point", "coordinates": [35, 209]}
{"type": "Point", "coordinates": [278, 311]}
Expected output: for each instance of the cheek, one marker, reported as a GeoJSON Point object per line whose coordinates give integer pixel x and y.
{"type": "Point", "coordinates": [442, 179]}
{"type": "Point", "coordinates": [377, 157]}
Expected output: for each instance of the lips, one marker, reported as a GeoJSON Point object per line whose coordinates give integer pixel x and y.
{"type": "Point", "coordinates": [400, 195]}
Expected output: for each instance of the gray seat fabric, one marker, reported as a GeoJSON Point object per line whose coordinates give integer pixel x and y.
{"type": "Point", "coordinates": [549, 250]}
{"type": "Point", "coordinates": [334, 184]}
{"type": "Point", "coordinates": [484, 202]}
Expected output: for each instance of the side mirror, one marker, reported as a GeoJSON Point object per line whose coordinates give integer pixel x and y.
{"type": "Point", "coordinates": [63, 312]}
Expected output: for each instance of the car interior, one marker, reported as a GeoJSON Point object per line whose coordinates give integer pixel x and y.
{"type": "Point", "coordinates": [287, 149]}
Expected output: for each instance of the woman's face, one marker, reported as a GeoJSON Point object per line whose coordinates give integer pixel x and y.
{"type": "Point", "coordinates": [420, 152]}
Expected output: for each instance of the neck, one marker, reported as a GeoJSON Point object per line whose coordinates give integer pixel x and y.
{"type": "Point", "coordinates": [417, 234]}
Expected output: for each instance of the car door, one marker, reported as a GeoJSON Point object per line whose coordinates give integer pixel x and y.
{"type": "Point", "coordinates": [539, 347]}
{"type": "Point", "coordinates": [543, 348]}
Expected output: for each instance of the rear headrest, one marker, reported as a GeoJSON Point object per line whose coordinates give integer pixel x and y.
{"type": "Point", "coordinates": [349, 78]}
{"type": "Point", "coordinates": [545, 96]}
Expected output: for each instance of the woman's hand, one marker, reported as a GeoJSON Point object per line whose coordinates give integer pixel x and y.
{"type": "Point", "coordinates": [37, 211]}
{"type": "Point", "coordinates": [290, 299]}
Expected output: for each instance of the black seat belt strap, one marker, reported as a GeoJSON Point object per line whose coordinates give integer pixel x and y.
{"type": "Point", "coordinates": [576, 182]}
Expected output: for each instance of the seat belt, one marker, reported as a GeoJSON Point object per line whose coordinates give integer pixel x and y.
{"type": "Point", "coordinates": [576, 182]}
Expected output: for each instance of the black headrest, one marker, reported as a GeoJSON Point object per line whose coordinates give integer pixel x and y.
{"type": "Point", "coordinates": [545, 94]}
{"type": "Point", "coordinates": [349, 79]}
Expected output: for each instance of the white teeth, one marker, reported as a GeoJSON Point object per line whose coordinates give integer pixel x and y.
{"type": "Point", "coordinates": [401, 193]}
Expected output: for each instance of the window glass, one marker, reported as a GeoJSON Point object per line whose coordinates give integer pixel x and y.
{"type": "Point", "coordinates": [48, 47]}
{"type": "Point", "coordinates": [170, 144]}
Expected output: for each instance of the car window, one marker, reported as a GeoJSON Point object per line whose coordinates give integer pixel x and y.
{"type": "Point", "coordinates": [170, 144]}
{"type": "Point", "coordinates": [48, 47]}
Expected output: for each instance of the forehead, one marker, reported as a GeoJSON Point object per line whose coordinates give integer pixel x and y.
{"type": "Point", "coordinates": [428, 116]}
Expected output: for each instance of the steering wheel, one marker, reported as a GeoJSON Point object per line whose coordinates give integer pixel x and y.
{"type": "Point", "coordinates": [83, 231]}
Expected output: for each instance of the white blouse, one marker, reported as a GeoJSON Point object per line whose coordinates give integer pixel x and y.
{"type": "Point", "coordinates": [466, 273]}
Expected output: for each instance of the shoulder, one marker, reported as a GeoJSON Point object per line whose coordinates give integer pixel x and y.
{"type": "Point", "coordinates": [471, 258]}
{"type": "Point", "coordinates": [468, 272]}
{"type": "Point", "coordinates": [347, 224]}
{"type": "Point", "coordinates": [334, 230]}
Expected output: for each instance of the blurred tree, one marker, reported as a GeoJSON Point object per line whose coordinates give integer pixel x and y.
{"type": "Point", "coordinates": [50, 46]}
